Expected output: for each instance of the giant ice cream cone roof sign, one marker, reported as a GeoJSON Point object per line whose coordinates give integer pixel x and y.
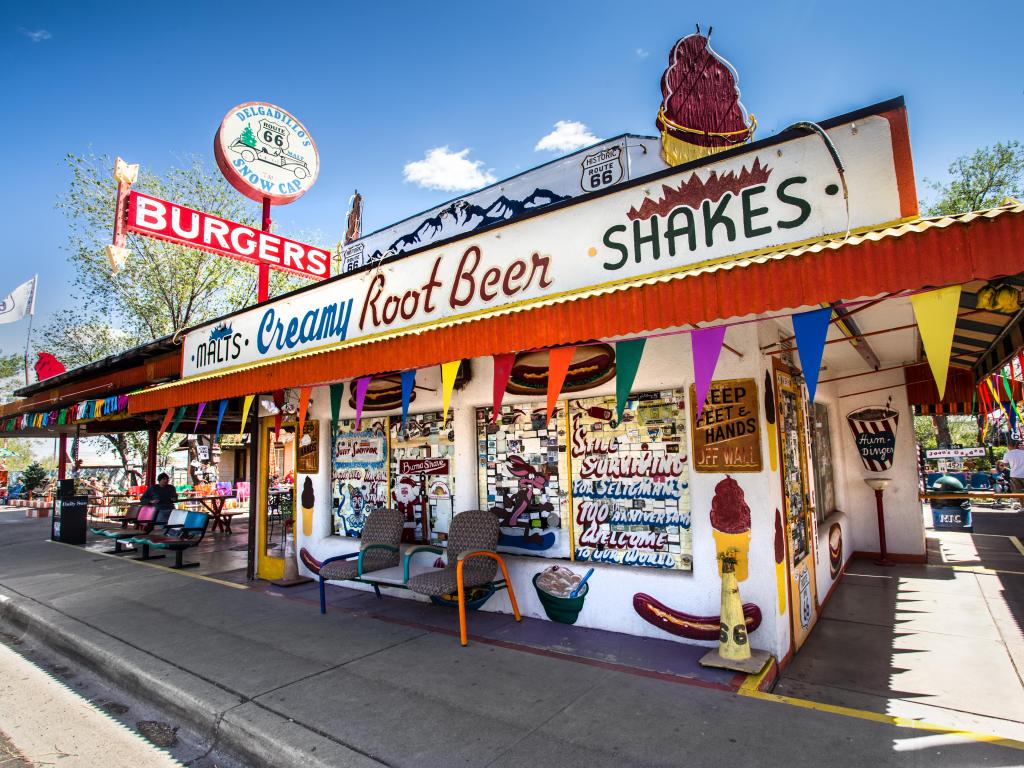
{"type": "Point", "coordinates": [265, 152]}
{"type": "Point", "coordinates": [701, 112]}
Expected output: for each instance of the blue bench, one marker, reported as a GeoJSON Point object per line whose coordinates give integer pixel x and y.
{"type": "Point", "coordinates": [177, 539]}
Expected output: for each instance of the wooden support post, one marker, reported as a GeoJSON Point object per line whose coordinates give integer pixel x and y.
{"type": "Point", "coordinates": [151, 455]}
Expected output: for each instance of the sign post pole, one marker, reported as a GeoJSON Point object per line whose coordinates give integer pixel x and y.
{"type": "Point", "coordinates": [263, 279]}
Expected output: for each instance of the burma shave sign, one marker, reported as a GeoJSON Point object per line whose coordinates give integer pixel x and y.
{"type": "Point", "coordinates": [153, 217]}
{"type": "Point", "coordinates": [776, 193]}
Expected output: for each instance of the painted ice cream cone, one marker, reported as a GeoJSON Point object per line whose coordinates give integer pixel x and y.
{"type": "Point", "coordinates": [730, 521]}
{"type": "Point", "coordinates": [307, 500]}
{"type": "Point", "coordinates": [780, 562]}
{"type": "Point", "coordinates": [700, 112]}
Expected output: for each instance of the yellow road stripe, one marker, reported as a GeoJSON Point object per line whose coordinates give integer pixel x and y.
{"type": "Point", "coordinates": [176, 571]}
{"type": "Point", "coordinates": [1016, 542]}
{"type": "Point", "coordinates": [750, 689]}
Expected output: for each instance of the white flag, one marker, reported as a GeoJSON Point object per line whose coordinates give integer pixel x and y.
{"type": "Point", "coordinates": [19, 302]}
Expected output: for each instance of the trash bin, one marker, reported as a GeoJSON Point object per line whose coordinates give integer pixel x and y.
{"type": "Point", "coordinates": [950, 514]}
{"type": "Point", "coordinates": [69, 519]}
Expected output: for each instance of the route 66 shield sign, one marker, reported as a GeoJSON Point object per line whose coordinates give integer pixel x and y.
{"type": "Point", "coordinates": [602, 169]}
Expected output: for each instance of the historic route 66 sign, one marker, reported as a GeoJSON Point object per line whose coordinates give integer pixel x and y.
{"type": "Point", "coordinates": [602, 169]}
{"type": "Point", "coordinates": [265, 152]}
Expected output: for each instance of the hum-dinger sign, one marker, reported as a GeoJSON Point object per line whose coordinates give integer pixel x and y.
{"type": "Point", "coordinates": [774, 193]}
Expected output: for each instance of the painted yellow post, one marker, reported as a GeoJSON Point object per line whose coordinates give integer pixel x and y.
{"type": "Point", "coordinates": [732, 643]}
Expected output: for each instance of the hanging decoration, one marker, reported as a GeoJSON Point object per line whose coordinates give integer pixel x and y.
{"type": "Point", "coordinates": [245, 412]}
{"type": "Point", "coordinates": [770, 419]}
{"type": "Point", "coordinates": [304, 394]}
{"type": "Point", "coordinates": [874, 433]}
{"type": "Point", "coordinates": [448, 373]}
{"type": "Point", "coordinates": [337, 393]}
{"type": "Point", "coordinates": [278, 396]}
{"type": "Point", "coordinates": [810, 329]}
{"type": "Point", "coordinates": [627, 361]}
{"type": "Point", "coordinates": [223, 406]}
{"type": "Point", "coordinates": [701, 112]}
{"type": "Point", "coordinates": [559, 360]}
{"type": "Point", "coordinates": [361, 386]}
{"type": "Point", "coordinates": [199, 415]}
{"type": "Point", "coordinates": [502, 371]}
{"type": "Point", "coordinates": [165, 423]}
{"type": "Point", "coordinates": [935, 313]}
{"type": "Point", "coordinates": [705, 347]}
{"type": "Point", "coordinates": [408, 384]}
{"type": "Point", "coordinates": [178, 416]}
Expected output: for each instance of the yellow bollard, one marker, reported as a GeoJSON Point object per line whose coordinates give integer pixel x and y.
{"type": "Point", "coordinates": [732, 640]}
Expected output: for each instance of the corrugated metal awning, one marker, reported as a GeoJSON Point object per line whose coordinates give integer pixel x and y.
{"type": "Point", "coordinates": [918, 254]}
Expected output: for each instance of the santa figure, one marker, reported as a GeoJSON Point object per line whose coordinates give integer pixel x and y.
{"type": "Point", "coordinates": [406, 496]}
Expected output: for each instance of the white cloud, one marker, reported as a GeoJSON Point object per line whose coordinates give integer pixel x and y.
{"type": "Point", "coordinates": [35, 35]}
{"type": "Point", "coordinates": [450, 171]}
{"type": "Point", "coordinates": [642, 54]}
{"type": "Point", "coordinates": [567, 136]}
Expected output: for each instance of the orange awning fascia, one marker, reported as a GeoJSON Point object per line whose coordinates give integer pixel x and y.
{"type": "Point", "coordinates": [930, 252]}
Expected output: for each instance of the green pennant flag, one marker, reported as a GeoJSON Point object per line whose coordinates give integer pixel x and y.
{"type": "Point", "coordinates": [178, 416]}
{"type": "Point", "coordinates": [627, 360]}
{"type": "Point", "coordinates": [337, 392]}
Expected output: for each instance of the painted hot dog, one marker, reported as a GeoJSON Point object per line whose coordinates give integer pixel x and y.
{"type": "Point", "coordinates": [685, 624]}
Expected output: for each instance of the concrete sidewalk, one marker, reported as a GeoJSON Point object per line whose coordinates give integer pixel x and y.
{"type": "Point", "coordinates": [273, 681]}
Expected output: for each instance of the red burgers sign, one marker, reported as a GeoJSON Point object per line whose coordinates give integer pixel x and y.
{"type": "Point", "coordinates": [153, 217]}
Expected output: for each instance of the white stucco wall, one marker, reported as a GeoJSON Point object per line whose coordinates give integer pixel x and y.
{"type": "Point", "coordinates": [666, 363]}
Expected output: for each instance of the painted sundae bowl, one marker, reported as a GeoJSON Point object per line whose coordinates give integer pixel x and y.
{"type": "Point", "coordinates": [553, 587]}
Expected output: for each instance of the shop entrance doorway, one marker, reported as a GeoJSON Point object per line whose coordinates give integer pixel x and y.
{"type": "Point", "coordinates": [798, 513]}
{"type": "Point", "coordinates": [277, 498]}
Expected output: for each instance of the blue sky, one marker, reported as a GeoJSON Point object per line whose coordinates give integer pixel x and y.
{"type": "Point", "coordinates": [380, 84]}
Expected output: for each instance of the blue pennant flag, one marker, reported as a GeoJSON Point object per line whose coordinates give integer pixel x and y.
{"type": "Point", "coordinates": [810, 329]}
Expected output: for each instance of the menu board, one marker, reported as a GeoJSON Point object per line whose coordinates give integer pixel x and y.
{"type": "Point", "coordinates": [523, 477]}
{"type": "Point", "coordinates": [359, 473]}
{"type": "Point", "coordinates": [727, 437]}
{"type": "Point", "coordinates": [630, 491]}
{"type": "Point", "coordinates": [422, 462]}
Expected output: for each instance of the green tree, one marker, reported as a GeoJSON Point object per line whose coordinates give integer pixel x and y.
{"type": "Point", "coordinates": [247, 137]}
{"type": "Point", "coordinates": [982, 179]}
{"type": "Point", "coordinates": [12, 369]}
{"type": "Point", "coordinates": [34, 477]}
{"type": "Point", "coordinates": [163, 288]}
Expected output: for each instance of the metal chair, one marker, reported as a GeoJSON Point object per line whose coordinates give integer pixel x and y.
{"type": "Point", "coordinates": [378, 549]}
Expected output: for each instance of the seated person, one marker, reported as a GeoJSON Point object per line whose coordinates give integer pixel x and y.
{"type": "Point", "coordinates": [163, 496]}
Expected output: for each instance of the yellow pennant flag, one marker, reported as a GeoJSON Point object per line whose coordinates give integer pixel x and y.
{"type": "Point", "coordinates": [448, 373]}
{"type": "Point", "coordinates": [245, 412]}
{"type": "Point", "coordinates": [935, 313]}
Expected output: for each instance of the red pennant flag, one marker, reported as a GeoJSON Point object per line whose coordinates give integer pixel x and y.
{"type": "Point", "coordinates": [558, 366]}
{"type": "Point", "coordinates": [303, 406]}
{"type": "Point", "coordinates": [165, 423]}
{"type": "Point", "coordinates": [502, 371]}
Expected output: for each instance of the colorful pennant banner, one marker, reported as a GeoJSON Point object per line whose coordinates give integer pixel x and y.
{"type": "Point", "coordinates": [810, 329]}
{"type": "Point", "coordinates": [559, 360]}
{"type": "Point", "coordinates": [449, 372]}
{"type": "Point", "coordinates": [627, 361]}
{"type": "Point", "coordinates": [361, 386]}
{"type": "Point", "coordinates": [705, 347]}
{"type": "Point", "coordinates": [408, 384]}
{"type": "Point", "coordinates": [935, 313]}
{"type": "Point", "coordinates": [502, 371]}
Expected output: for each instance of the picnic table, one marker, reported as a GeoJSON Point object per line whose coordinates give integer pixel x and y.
{"type": "Point", "coordinates": [219, 521]}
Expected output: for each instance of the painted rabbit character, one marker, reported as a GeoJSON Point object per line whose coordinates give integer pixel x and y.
{"type": "Point", "coordinates": [514, 507]}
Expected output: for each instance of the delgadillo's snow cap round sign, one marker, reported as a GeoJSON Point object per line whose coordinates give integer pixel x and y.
{"type": "Point", "coordinates": [265, 152]}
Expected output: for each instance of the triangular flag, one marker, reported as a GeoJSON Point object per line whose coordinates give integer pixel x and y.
{"type": "Point", "coordinates": [935, 313]}
{"type": "Point", "coordinates": [361, 386]}
{"type": "Point", "coordinates": [559, 360]}
{"type": "Point", "coordinates": [199, 415]}
{"type": "Point", "coordinates": [337, 393]}
{"type": "Point", "coordinates": [502, 371]}
{"type": "Point", "coordinates": [304, 394]}
{"type": "Point", "coordinates": [705, 347]}
{"type": "Point", "coordinates": [449, 371]}
{"type": "Point", "coordinates": [220, 417]}
{"type": "Point", "coordinates": [408, 382]}
{"type": "Point", "coordinates": [810, 329]}
{"type": "Point", "coordinates": [278, 396]}
{"type": "Point", "coordinates": [627, 360]}
{"type": "Point", "coordinates": [245, 412]}
{"type": "Point", "coordinates": [178, 416]}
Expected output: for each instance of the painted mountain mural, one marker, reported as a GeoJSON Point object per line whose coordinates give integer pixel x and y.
{"type": "Point", "coordinates": [462, 216]}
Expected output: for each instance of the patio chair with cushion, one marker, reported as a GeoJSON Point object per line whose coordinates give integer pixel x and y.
{"type": "Point", "coordinates": [472, 562]}
{"type": "Point", "coordinates": [378, 549]}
